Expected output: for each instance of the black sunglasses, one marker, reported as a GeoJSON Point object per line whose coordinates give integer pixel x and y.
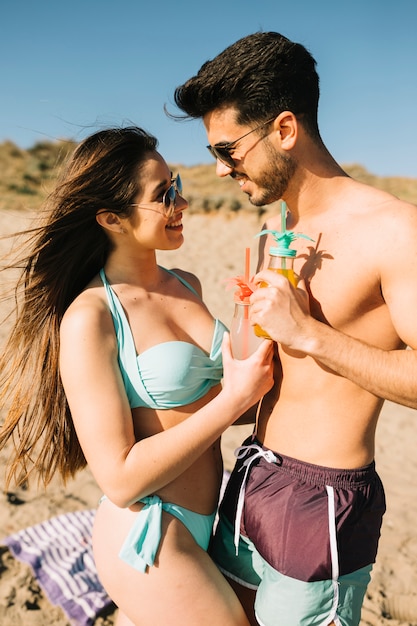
{"type": "Point", "coordinates": [221, 151]}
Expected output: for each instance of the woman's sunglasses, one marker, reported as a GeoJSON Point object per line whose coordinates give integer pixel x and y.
{"type": "Point", "coordinates": [169, 199]}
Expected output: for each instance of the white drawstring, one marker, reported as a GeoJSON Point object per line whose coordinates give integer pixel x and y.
{"type": "Point", "coordinates": [240, 452]}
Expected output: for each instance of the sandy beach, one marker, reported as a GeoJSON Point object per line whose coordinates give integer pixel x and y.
{"type": "Point", "coordinates": [214, 249]}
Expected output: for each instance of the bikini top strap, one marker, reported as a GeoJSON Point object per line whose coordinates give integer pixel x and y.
{"type": "Point", "coordinates": [183, 281]}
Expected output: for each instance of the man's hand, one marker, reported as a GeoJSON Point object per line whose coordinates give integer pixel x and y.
{"type": "Point", "coordinates": [281, 310]}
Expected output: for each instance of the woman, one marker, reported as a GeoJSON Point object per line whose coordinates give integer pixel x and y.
{"type": "Point", "coordinates": [116, 362]}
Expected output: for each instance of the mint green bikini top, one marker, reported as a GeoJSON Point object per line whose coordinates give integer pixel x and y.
{"type": "Point", "coordinates": [170, 374]}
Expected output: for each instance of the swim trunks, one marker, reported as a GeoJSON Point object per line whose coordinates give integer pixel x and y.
{"type": "Point", "coordinates": [169, 374]}
{"type": "Point", "coordinates": [306, 536]}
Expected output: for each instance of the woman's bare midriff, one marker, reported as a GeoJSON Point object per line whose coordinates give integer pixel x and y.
{"type": "Point", "coordinates": [198, 487]}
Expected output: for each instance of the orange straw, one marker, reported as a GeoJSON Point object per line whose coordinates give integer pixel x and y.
{"type": "Point", "coordinates": [247, 275]}
{"type": "Point", "coordinates": [245, 347]}
{"type": "Point", "coordinates": [247, 265]}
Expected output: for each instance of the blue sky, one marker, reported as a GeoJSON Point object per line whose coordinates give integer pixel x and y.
{"type": "Point", "coordinates": [69, 68]}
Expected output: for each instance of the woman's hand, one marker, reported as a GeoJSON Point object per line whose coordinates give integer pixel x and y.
{"type": "Point", "coordinates": [247, 379]}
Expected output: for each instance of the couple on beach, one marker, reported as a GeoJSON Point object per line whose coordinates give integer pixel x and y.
{"type": "Point", "coordinates": [115, 361]}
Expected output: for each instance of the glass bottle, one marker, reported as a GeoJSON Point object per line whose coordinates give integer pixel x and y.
{"type": "Point", "coordinates": [243, 340]}
{"type": "Point", "coordinates": [281, 261]}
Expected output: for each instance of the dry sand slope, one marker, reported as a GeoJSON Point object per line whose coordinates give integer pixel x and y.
{"type": "Point", "coordinates": [214, 249]}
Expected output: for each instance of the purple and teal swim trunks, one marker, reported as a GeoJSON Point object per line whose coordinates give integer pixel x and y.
{"type": "Point", "coordinates": [304, 536]}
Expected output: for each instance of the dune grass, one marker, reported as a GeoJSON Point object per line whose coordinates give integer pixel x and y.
{"type": "Point", "coordinates": [27, 176]}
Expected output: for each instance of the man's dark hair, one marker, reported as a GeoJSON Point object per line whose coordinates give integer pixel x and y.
{"type": "Point", "coordinates": [260, 75]}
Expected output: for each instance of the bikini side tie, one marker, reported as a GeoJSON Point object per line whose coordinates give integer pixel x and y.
{"type": "Point", "coordinates": [141, 544]}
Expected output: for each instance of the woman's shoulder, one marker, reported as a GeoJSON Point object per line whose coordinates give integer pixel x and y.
{"type": "Point", "coordinates": [189, 278]}
{"type": "Point", "coordinates": [88, 312]}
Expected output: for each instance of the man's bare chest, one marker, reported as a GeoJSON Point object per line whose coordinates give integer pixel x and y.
{"type": "Point", "coordinates": [342, 281]}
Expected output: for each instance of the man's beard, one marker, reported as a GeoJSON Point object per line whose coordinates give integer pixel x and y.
{"type": "Point", "coordinates": [273, 183]}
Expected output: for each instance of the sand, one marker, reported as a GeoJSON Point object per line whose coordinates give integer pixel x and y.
{"type": "Point", "coordinates": [214, 249]}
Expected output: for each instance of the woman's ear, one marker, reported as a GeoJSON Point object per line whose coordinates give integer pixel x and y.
{"type": "Point", "coordinates": [286, 125]}
{"type": "Point", "coordinates": [110, 221]}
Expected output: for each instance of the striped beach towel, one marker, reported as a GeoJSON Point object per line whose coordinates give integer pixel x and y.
{"type": "Point", "coordinates": [60, 554]}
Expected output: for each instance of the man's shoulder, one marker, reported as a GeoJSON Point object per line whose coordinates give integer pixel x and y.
{"type": "Point", "coordinates": [369, 195]}
{"type": "Point", "coordinates": [355, 200]}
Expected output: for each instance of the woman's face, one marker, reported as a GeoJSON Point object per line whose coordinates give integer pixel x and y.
{"type": "Point", "coordinates": [155, 222]}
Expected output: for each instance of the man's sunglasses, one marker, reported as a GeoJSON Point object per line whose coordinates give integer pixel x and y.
{"type": "Point", "coordinates": [221, 151]}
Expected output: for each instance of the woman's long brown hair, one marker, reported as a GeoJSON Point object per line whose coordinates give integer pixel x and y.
{"type": "Point", "coordinates": [60, 257]}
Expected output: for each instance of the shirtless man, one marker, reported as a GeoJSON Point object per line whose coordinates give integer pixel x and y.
{"type": "Point", "coordinates": [300, 541]}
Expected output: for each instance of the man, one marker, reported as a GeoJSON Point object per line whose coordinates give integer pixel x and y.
{"type": "Point", "coordinates": [308, 531]}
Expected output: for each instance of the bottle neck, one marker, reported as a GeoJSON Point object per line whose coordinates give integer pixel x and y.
{"type": "Point", "coordinates": [281, 262]}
